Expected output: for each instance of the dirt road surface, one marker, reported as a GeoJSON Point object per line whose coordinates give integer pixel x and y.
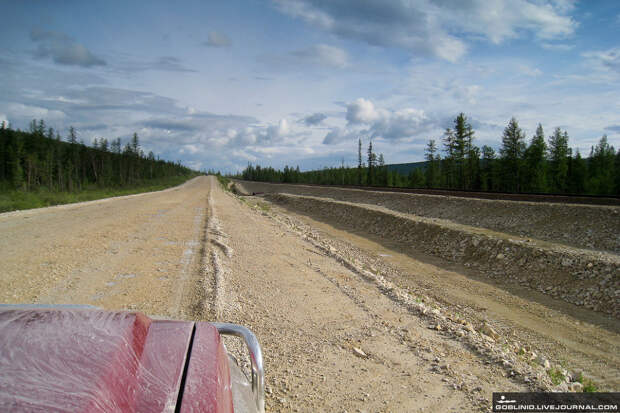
{"type": "Point", "coordinates": [334, 338]}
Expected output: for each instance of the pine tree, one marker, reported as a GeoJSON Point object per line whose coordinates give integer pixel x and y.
{"type": "Point", "coordinates": [432, 166]}
{"type": "Point", "coordinates": [383, 175]}
{"type": "Point", "coordinates": [617, 172]}
{"type": "Point", "coordinates": [512, 150]}
{"type": "Point", "coordinates": [558, 160]}
{"type": "Point", "coordinates": [15, 164]}
{"type": "Point", "coordinates": [72, 136]}
{"type": "Point", "coordinates": [488, 170]}
{"type": "Point", "coordinates": [601, 168]}
{"type": "Point", "coordinates": [536, 163]}
{"type": "Point", "coordinates": [461, 149]}
{"type": "Point", "coordinates": [371, 165]}
{"type": "Point", "coordinates": [416, 178]}
{"type": "Point", "coordinates": [577, 177]}
{"type": "Point", "coordinates": [359, 161]}
{"type": "Point", "coordinates": [135, 144]}
{"type": "Point", "coordinates": [449, 164]}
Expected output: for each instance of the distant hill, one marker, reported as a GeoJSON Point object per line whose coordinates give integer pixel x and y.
{"type": "Point", "coordinates": [406, 168]}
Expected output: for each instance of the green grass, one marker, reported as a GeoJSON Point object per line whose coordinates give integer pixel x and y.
{"type": "Point", "coordinates": [588, 385]}
{"type": "Point", "coordinates": [12, 200]}
{"type": "Point", "coordinates": [264, 206]}
{"type": "Point", "coordinates": [223, 181]}
{"type": "Point", "coordinates": [556, 376]}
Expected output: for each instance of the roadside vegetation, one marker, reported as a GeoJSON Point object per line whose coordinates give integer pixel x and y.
{"type": "Point", "coordinates": [38, 168]}
{"type": "Point", "coordinates": [542, 165]}
{"type": "Point", "coordinates": [224, 181]}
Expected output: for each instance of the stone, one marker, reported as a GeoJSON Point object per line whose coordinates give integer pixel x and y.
{"type": "Point", "coordinates": [359, 353]}
{"type": "Point", "coordinates": [500, 256]}
{"type": "Point", "coordinates": [469, 327]}
{"type": "Point", "coordinates": [488, 330]}
{"type": "Point", "coordinates": [576, 387]}
{"type": "Point", "coordinates": [543, 362]}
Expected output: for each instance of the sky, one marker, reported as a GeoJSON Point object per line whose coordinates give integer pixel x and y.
{"type": "Point", "coordinates": [220, 84]}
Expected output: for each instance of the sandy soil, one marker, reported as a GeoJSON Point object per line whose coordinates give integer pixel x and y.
{"type": "Point", "coordinates": [334, 337]}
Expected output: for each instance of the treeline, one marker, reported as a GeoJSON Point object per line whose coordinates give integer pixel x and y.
{"type": "Point", "coordinates": [41, 159]}
{"type": "Point", "coordinates": [542, 165]}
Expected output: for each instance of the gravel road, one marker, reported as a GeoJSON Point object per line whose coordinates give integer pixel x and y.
{"type": "Point", "coordinates": [335, 334]}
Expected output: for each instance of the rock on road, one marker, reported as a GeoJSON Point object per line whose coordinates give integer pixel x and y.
{"type": "Point", "coordinates": [332, 340]}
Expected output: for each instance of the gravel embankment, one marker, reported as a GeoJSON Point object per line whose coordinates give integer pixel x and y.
{"type": "Point", "coordinates": [582, 226]}
{"type": "Point", "coordinates": [578, 276]}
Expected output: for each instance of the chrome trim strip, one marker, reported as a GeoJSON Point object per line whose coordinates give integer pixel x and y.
{"type": "Point", "coordinates": [256, 357]}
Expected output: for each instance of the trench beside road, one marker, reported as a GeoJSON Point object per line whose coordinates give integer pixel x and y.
{"type": "Point", "coordinates": [333, 337]}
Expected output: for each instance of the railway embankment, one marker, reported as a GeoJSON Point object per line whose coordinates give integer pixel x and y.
{"type": "Point", "coordinates": [593, 227]}
{"type": "Point", "coordinates": [582, 276]}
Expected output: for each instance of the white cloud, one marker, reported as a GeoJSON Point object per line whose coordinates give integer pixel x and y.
{"type": "Point", "coordinates": [63, 49]}
{"type": "Point", "coordinates": [262, 134]}
{"type": "Point", "coordinates": [314, 119]}
{"type": "Point", "coordinates": [562, 47]}
{"type": "Point", "coordinates": [277, 131]}
{"type": "Point", "coordinates": [435, 27]}
{"type": "Point", "coordinates": [364, 119]}
{"type": "Point", "coordinates": [361, 111]}
{"type": "Point", "coordinates": [323, 55]}
{"type": "Point", "coordinates": [338, 135]}
{"type": "Point", "coordinates": [216, 39]}
{"type": "Point", "coordinates": [605, 59]}
{"type": "Point", "coordinates": [190, 149]}
{"type": "Point", "coordinates": [21, 111]}
{"type": "Point", "coordinates": [529, 71]}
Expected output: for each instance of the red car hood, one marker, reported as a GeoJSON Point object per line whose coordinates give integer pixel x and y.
{"type": "Point", "coordinates": [99, 361]}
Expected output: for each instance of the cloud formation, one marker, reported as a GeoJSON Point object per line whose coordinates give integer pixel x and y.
{"type": "Point", "coordinates": [608, 59]}
{"type": "Point", "coordinates": [364, 119]}
{"type": "Point", "coordinates": [216, 39]}
{"type": "Point", "coordinates": [434, 27]}
{"type": "Point", "coordinates": [361, 111]}
{"type": "Point", "coordinates": [63, 49]}
{"type": "Point", "coordinates": [170, 64]}
{"type": "Point", "coordinates": [314, 119]}
{"type": "Point", "coordinates": [323, 55]}
{"type": "Point", "coordinates": [613, 128]}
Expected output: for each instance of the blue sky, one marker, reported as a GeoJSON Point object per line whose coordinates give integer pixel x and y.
{"type": "Point", "coordinates": [297, 82]}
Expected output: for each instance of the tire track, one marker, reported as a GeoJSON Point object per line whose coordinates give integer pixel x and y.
{"type": "Point", "coordinates": [189, 261]}
{"type": "Point", "coordinates": [206, 296]}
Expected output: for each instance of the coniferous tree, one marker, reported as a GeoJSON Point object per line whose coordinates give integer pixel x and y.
{"type": "Point", "coordinates": [617, 172]}
{"type": "Point", "coordinates": [511, 151]}
{"type": "Point", "coordinates": [416, 178]}
{"type": "Point", "coordinates": [433, 163]}
{"type": "Point", "coordinates": [578, 175]}
{"type": "Point", "coordinates": [488, 170]}
{"type": "Point", "coordinates": [601, 168]}
{"type": "Point", "coordinates": [359, 161]}
{"type": "Point", "coordinates": [536, 163]}
{"type": "Point", "coordinates": [371, 165]}
{"type": "Point", "coordinates": [558, 161]}
{"type": "Point", "coordinates": [382, 171]}
{"type": "Point", "coordinates": [449, 171]}
{"type": "Point", "coordinates": [464, 155]}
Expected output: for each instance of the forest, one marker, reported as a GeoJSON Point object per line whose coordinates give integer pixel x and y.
{"type": "Point", "coordinates": [39, 162]}
{"type": "Point", "coordinates": [542, 165]}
